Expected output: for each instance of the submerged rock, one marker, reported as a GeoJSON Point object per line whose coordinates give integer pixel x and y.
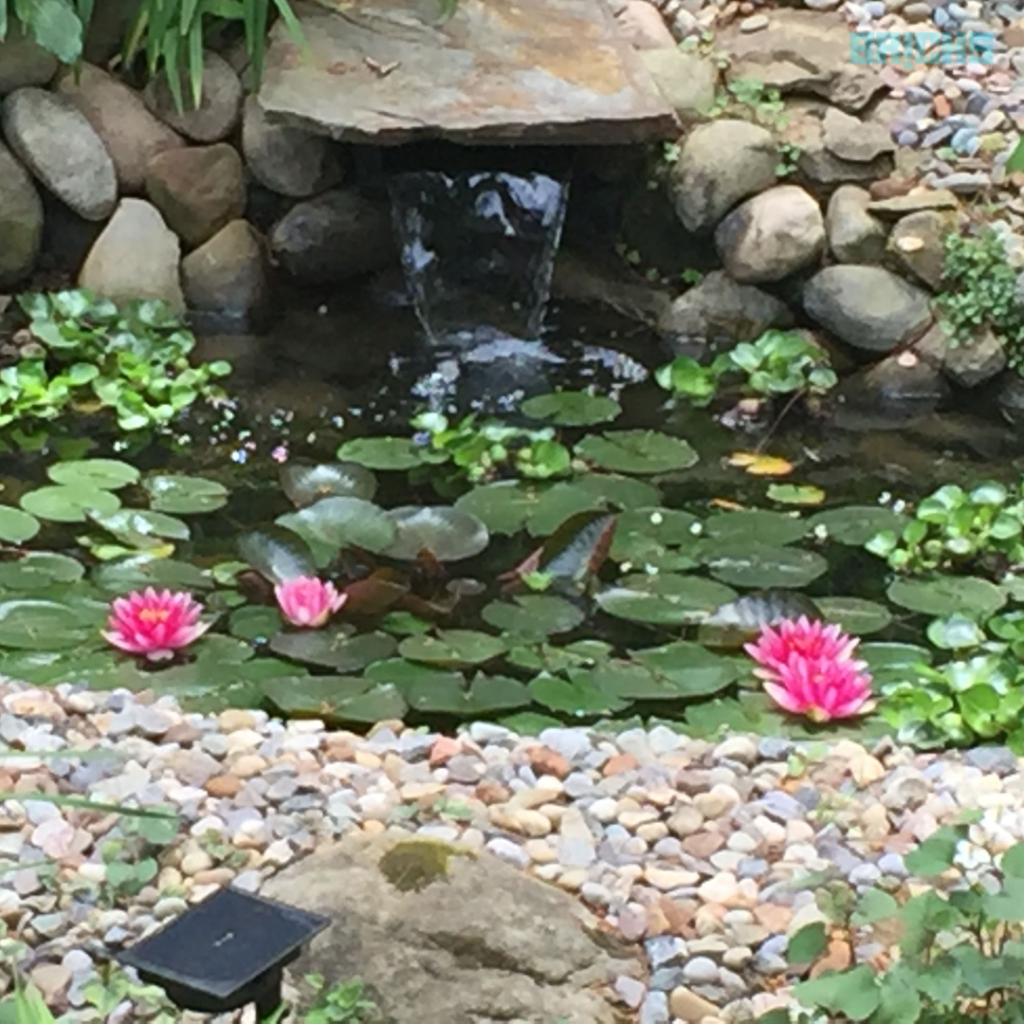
{"type": "Point", "coordinates": [227, 275]}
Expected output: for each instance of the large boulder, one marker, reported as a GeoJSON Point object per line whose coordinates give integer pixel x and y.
{"type": "Point", "coordinates": [719, 312]}
{"type": "Point", "coordinates": [335, 236]}
{"type": "Point", "coordinates": [438, 932]}
{"type": "Point", "coordinates": [57, 144]}
{"type": "Point", "coordinates": [227, 276]}
{"type": "Point", "coordinates": [966, 363]}
{"type": "Point", "coordinates": [771, 236]}
{"type": "Point", "coordinates": [23, 62]}
{"type": "Point", "coordinates": [135, 257]}
{"type": "Point", "coordinates": [720, 164]}
{"type": "Point", "coordinates": [219, 110]}
{"type": "Point", "coordinates": [867, 307]}
{"type": "Point", "coordinates": [644, 26]}
{"type": "Point", "coordinates": [198, 190]}
{"type": "Point", "coordinates": [21, 220]}
{"type": "Point", "coordinates": [854, 235]}
{"type": "Point", "coordinates": [131, 134]}
{"type": "Point", "coordinates": [687, 80]}
{"type": "Point", "coordinates": [286, 160]}
{"type": "Point", "coordinates": [917, 244]}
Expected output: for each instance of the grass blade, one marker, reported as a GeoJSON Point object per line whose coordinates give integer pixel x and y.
{"type": "Point", "coordinates": [85, 804]}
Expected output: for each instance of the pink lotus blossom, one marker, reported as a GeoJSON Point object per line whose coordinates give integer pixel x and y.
{"type": "Point", "coordinates": [307, 601]}
{"type": "Point", "coordinates": [808, 668]}
{"type": "Point", "coordinates": [154, 623]}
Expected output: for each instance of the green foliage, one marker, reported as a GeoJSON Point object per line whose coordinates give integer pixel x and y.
{"type": "Point", "coordinates": [980, 290]}
{"type": "Point", "coordinates": [131, 858]}
{"type": "Point", "coordinates": [56, 25]}
{"type": "Point", "coordinates": [952, 528]}
{"type": "Point", "coordinates": [961, 954]}
{"type": "Point", "coordinates": [777, 363]}
{"type": "Point", "coordinates": [342, 1003]}
{"type": "Point", "coordinates": [752, 100]}
{"type": "Point", "coordinates": [789, 158]}
{"type": "Point", "coordinates": [90, 356]}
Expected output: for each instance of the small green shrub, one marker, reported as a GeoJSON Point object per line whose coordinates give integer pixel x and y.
{"type": "Point", "coordinates": [980, 290]}
{"type": "Point", "coordinates": [960, 948]}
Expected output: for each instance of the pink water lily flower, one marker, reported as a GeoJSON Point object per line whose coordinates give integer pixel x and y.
{"type": "Point", "coordinates": [307, 601]}
{"type": "Point", "coordinates": [154, 623]}
{"type": "Point", "coordinates": [809, 669]}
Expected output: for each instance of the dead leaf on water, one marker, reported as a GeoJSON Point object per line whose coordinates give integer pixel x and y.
{"type": "Point", "coordinates": [761, 465]}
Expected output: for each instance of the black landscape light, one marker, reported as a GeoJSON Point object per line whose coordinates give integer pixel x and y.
{"type": "Point", "coordinates": [224, 953]}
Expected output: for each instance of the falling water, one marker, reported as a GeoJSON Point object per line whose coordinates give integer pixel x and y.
{"type": "Point", "coordinates": [478, 248]}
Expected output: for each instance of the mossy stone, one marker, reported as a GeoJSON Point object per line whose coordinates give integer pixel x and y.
{"type": "Point", "coordinates": [413, 864]}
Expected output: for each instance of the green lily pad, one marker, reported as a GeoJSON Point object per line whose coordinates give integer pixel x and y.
{"type": "Point", "coordinates": [581, 697]}
{"type": "Point", "coordinates": [753, 564]}
{"type": "Point", "coordinates": [453, 648]}
{"type": "Point", "coordinates": [503, 507]}
{"type": "Point", "coordinates": [407, 674]}
{"type": "Point", "coordinates": [690, 669]}
{"type": "Point", "coordinates": [627, 681]}
{"type": "Point", "coordinates": [483, 696]}
{"type": "Point", "coordinates": [543, 657]}
{"type": "Point", "coordinates": [27, 624]}
{"type": "Point", "coordinates": [252, 622]}
{"type": "Point", "coordinates": [136, 526]}
{"type": "Point", "coordinates": [754, 525]}
{"type": "Point", "coordinates": [946, 595]}
{"type": "Point", "coordinates": [736, 622]}
{"type": "Point", "coordinates": [304, 484]}
{"type": "Point", "coordinates": [405, 624]}
{"type": "Point", "coordinates": [621, 491]}
{"type": "Point", "coordinates": [664, 599]}
{"type": "Point", "coordinates": [854, 614]}
{"type": "Point", "coordinates": [16, 526]}
{"type": "Point", "coordinates": [796, 494]}
{"type": "Point", "coordinates": [334, 649]}
{"type": "Point", "coordinates": [637, 452]}
{"type": "Point", "coordinates": [336, 523]}
{"type": "Point", "coordinates": [893, 655]}
{"type": "Point", "coordinates": [533, 615]}
{"type": "Point", "coordinates": [39, 569]}
{"type": "Point", "coordinates": [141, 571]}
{"type": "Point", "coordinates": [336, 699]}
{"type": "Point", "coordinates": [558, 503]}
{"type": "Point", "coordinates": [94, 474]}
{"type": "Point", "coordinates": [382, 452]}
{"type": "Point", "coordinates": [448, 534]}
{"type": "Point", "coordinates": [571, 408]}
{"type": "Point", "coordinates": [668, 527]}
{"type": "Point", "coordinates": [182, 495]}
{"type": "Point", "coordinates": [856, 524]}
{"type": "Point", "coordinates": [277, 554]}
{"type": "Point", "coordinates": [61, 504]}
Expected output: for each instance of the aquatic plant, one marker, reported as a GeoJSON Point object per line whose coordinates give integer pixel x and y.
{"type": "Point", "coordinates": [307, 601]}
{"type": "Point", "coordinates": [808, 668]}
{"type": "Point", "coordinates": [154, 623]}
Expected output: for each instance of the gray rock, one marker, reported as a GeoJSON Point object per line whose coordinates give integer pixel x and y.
{"type": "Point", "coordinates": [643, 25]}
{"type": "Point", "coordinates": [333, 237]}
{"type": "Point", "coordinates": [1000, 760]}
{"type": "Point", "coordinates": [771, 236]}
{"type": "Point", "coordinates": [131, 134]}
{"type": "Point", "coordinates": [781, 806]}
{"type": "Point", "coordinates": [218, 112]}
{"type": "Point", "coordinates": [406, 919]}
{"type": "Point", "coordinates": [721, 163]}
{"type": "Point", "coordinates": [719, 312]}
{"type": "Point", "coordinates": [655, 1009]}
{"type": "Point", "coordinates": [867, 307]}
{"type": "Point", "coordinates": [901, 386]}
{"type": "Point", "coordinates": [23, 62]}
{"type": "Point", "coordinates": [917, 244]}
{"type": "Point", "coordinates": [135, 257]}
{"type": "Point", "coordinates": [854, 235]}
{"type": "Point", "coordinates": [57, 144]}
{"type": "Point", "coordinates": [687, 80]}
{"type": "Point", "coordinates": [288, 161]}
{"type": "Point", "coordinates": [228, 275]}
{"type": "Point", "coordinates": [849, 138]}
{"type": "Point", "coordinates": [967, 364]}
{"type": "Point", "coordinates": [21, 220]}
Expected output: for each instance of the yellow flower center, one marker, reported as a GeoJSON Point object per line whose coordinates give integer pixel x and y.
{"type": "Point", "coordinates": [151, 616]}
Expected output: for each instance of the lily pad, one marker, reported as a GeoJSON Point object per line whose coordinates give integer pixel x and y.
{"type": "Point", "coordinates": [893, 655]}
{"type": "Point", "coordinates": [754, 525]}
{"type": "Point", "coordinates": [690, 669]}
{"type": "Point", "coordinates": [304, 484]}
{"type": "Point", "coordinates": [503, 507]}
{"type": "Point", "coordinates": [335, 649]}
{"type": "Point", "coordinates": [669, 527]}
{"type": "Point", "coordinates": [134, 525]}
{"type": "Point", "coordinates": [277, 554]}
{"type": "Point", "coordinates": [545, 657]}
{"type": "Point", "coordinates": [796, 494]}
{"type": "Point", "coordinates": [855, 524]}
{"type": "Point", "coordinates": [448, 534]}
{"type": "Point", "coordinates": [753, 564]}
{"type": "Point", "coordinates": [336, 523]}
{"type": "Point", "coordinates": [483, 696]}
{"type": "Point", "coordinates": [736, 622]}
{"type": "Point", "coordinates": [856, 615]}
{"type": "Point", "coordinates": [533, 616]}
{"type": "Point", "coordinates": [39, 569]}
{"type": "Point", "coordinates": [62, 504]}
{"type": "Point", "coordinates": [95, 474]}
{"type": "Point", "coordinates": [664, 599]}
{"type": "Point", "coordinates": [621, 491]}
{"type": "Point", "coordinates": [252, 622]}
{"type": "Point", "coordinates": [382, 452]}
{"type": "Point", "coordinates": [336, 699]}
{"type": "Point", "coordinates": [558, 503]}
{"type": "Point", "coordinates": [571, 408]}
{"type": "Point", "coordinates": [141, 571]}
{"type": "Point", "coordinates": [17, 526]}
{"type": "Point", "coordinates": [36, 625]}
{"type": "Point", "coordinates": [182, 495]}
{"type": "Point", "coordinates": [943, 596]}
{"type": "Point", "coordinates": [637, 451]}
{"type": "Point", "coordinates": [580, 697]}
{"type": "Point", "coordinates": [632, 682]}
{"type": "Point", "coordinates": [453, 648]}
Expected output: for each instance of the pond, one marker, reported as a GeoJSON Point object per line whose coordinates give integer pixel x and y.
{"type": "Point", "coordinates": [620, 586]}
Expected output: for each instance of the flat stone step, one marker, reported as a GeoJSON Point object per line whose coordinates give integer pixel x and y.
{"type": "Point", "coordinates": [495, 72]}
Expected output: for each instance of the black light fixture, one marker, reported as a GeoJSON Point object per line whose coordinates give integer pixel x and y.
{"type": "Point", "coordinates": [226, 952]}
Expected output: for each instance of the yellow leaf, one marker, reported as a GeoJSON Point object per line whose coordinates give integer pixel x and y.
{"type": "Point", "coordinates": [761, 465]}
{"type": "Point", "coordinates": [729, 506]}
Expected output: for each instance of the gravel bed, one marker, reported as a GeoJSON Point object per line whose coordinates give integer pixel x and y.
{"type": "Point", "coordinates": [689, 847]}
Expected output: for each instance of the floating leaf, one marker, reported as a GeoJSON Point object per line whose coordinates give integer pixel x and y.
{"type": "Point", "coordinates": [796, 494]}
{"type": "Point", "coordinates": [757, 464]}
{"type": "Point", "coordinates": [483, 696]}
{"type": "Point", "coordinates": [141, 571]}
{"type": "Point", "coordinates": [334, 649]}
{"type": "Point", "coordinates": [855, 615]}
{"type": "Point", "coordinates": [558, 503]}
{"type": "Point", "coordinates": [893, 655]}
{"type": "Point", "coordinates": [637, 451]}
{"type": "Point", "coordinates": [754, 525]}
{"type": "Point", "coordinates": [664, 599]}
{"type": "Point", "coordinates": [410, 676]}
{"type": "Point", "coordinates": [533, 615]}
{"type": "Point", "coordinates": [581, 697]}
{"type": "Point", "coordinates": [42, 625]}
{"type": "Point", "coordinates": [668, 527]}
{"type": "Point", "coordinates": [621, 491]}
{"type": "Point", "coordinates": [277, 554]}
{"type": "Point", "coordinates": [336, 699]}
{"type": "Point", "coordinates": [39, 569]}
{"type": "Point", "coordinates": [16, 526]}
{"type": "Point", "coordinates": [690, 669]}
{"type": "Point", "coordinates": [571, 408]}
{"type": "Point", "coordinates": [856, 524]}
{"type": "Point", "coordinates": [95, 474]}
{"type": "Point", "coordinates": [336, 523]}
{"type": "Point", "coordinates": [254, 623]}
{"type": "Point", "coordinates": [181, 495]}
{"type": "Point", "coordinates": [134, 526]}
{"type": "Point", "coordinates": [448, 534]}
{"type": "Point", "coordinates": [382, 452]}
{"type": "Point", "coordinates": [304, 484]}
{"type": "Point", "coordinates": [452, 648]}
{"type": "Point", "coordinates": [761, 565]}
{"type": "Point", "coordinates": [736, 622]}
{"type": "Point", "coordinates": [573, 554]}
{"type": "Point", "coordinates": [62, 504]}
{"type": "Point", "coordinates": [946, 595]}
{"type": "Point", "coordinates": [502, 507]}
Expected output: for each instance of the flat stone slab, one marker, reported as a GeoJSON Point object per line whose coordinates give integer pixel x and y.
{"type": "Point", "coordinates": [496, 71]}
